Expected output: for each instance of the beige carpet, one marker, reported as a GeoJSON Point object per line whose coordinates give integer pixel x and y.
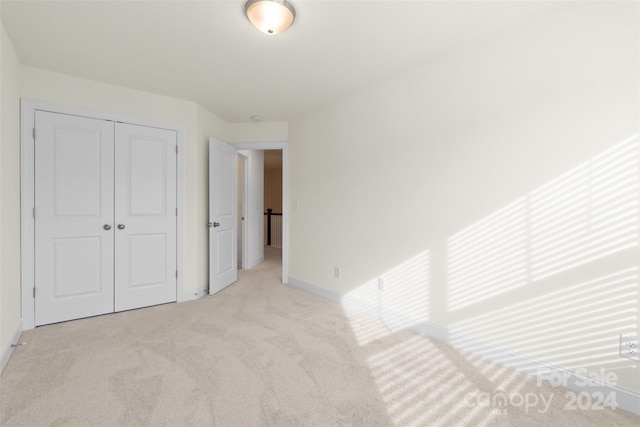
{"type": "Point", "coordinates": [261, 353]}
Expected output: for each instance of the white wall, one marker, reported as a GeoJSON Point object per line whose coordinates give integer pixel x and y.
{"type": "Point", "coordinates": [255, 214]}
{"type": "Point", "coordinates": [256, 132]}
{"type": "Point", "coordinates": [442, 180]}
{"type": "Point", "coordinates": [9, 194]}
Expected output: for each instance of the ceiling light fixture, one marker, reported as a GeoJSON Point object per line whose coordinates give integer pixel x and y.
{"type": "Point", "coordinates": [270, 16]}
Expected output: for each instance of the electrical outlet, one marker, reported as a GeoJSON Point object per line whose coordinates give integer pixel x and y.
{"type": "Point", "coordinates": [629, 347]}
{"type": "Point", "coordinates": [380, 284]}
{"type": "Point", "coordinates": [336, 272]}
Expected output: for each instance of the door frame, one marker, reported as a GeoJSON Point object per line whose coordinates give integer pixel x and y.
{"type": "Point", "coordinates": [284, 146]}
{"type": "Point", "coordinates": [245, 202]}
{"type": "Point", "coordinates": [28, 108]}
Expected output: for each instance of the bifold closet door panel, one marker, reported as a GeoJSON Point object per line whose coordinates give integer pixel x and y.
{"type": "Point", "coordinates": [145, 216]}
{"type": "Point", "coordinates": [73, 217]}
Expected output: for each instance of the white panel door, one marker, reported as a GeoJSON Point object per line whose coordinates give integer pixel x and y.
{"type": "Point", "coordinates": [145, 216]}
{"type": "Point", "coordinates": [74, 217]}
{"type": "Point", "coordinates": [223, 225]}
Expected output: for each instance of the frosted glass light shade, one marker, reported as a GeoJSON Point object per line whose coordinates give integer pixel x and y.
{"type": "Point", "coordinates": [270, 16]}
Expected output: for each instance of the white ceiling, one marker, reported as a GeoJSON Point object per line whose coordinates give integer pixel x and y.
{"type": "Point", "coordinates": [208, 52]}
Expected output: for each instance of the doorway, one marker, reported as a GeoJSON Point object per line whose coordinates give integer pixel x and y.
{"type": "Point", "coordinates": [273, 199]}
{"type": "Point", "coordinates": [251, 209]}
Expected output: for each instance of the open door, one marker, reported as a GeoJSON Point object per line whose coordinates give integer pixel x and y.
{"type": "Point", "coordinates": [223, 216]}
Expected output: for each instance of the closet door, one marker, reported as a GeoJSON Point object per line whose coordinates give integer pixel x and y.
{"type": "Point", "coordinates": [145, 216]}
{"type": "Point", "coordinates": [73, 217]}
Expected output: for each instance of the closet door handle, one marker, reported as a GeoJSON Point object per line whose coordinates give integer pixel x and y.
{"type": "Point", "coordinates": [106, 227]}
{"type": "Point", "coordinates": [120, 226]}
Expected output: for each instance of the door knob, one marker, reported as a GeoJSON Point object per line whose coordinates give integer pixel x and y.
{"type": "Point", "coordinates": [106, 227]}
{"type": "Point", "coordinates": [216, 224]}
{"type": "Point", "coordinates": [120, 226]}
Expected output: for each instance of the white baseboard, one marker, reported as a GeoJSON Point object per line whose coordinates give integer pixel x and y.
{"type": "Point", "coordinates": [317, 290]}
{"type": "Point", "coordinates": [7, 349]}
{"type": "Point", "coordinates": [252, 263]}
{"type": "Point", "coordinates": [193, 295]}
{"type": "Point", "coordinates": [628, 400]}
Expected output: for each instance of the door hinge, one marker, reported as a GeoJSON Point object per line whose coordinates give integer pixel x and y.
{"type": "Point", "coordinates": [176, 149]}
{"type": "Point", "coordinates": [176, 274]}
{"type": "Point", "coordinates": [34, 134]}
{"type": "Point", "coordinates": [176, 211]}
{"type": "Point", "coordinates": [34, 212]}
{"type": "Point", "coordinates": [34, 292]}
